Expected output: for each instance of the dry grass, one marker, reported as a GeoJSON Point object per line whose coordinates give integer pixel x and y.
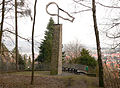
{"type": "Point", "coordinates": [42, 79]}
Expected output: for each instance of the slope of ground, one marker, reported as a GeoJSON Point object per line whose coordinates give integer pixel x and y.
{"type": "Point", "coordinates": [44, 80]}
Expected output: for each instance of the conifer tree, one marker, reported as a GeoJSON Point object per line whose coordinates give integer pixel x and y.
{"type": "Point", "coordinates": [21, 61]}
{"type": "Point", "coordinates": [29, 62]}
{"type": "Point", "coordinates": [46, 45]}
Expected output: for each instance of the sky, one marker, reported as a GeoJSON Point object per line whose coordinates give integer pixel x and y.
{"type": "Point", "coordinates": [81, 29]}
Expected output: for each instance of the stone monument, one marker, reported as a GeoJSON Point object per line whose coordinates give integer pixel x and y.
{"type": "Point", "coordinates": [56, 58]}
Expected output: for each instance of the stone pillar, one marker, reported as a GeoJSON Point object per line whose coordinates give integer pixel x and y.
{"type": "Point", "coordinates": [56, 58]}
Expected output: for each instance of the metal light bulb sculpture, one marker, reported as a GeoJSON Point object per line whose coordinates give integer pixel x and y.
{"type": "Point", "coordinates": [59, 9]}
{"type": "Point", "coordinates": [56, 58]}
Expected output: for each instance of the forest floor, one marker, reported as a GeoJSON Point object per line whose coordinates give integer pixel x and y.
{"type": "Point", "coordinates": [43, 79]}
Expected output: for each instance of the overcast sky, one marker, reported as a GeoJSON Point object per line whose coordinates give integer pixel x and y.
{"type": "Point", "coordinates": [81, 29]}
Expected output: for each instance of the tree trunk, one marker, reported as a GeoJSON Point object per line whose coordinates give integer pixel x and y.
{"type": "Point", "coordinates": [16, 32]}
{"type": "Point", "coordinates": [101, 82]}
{"type": "Point", "coordinates": [32, 76]}
{"type": "Point", "coordinates": [2, 22]}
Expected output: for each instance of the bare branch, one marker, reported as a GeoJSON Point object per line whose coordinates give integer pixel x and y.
{"type": "Point", "coordinates": [78, 2]}
{"type": "Point", "coordinates": [17, 35]}
{"type": "Point", "coordinates": [116, 46]}
{"type": "Point", "coordinates": [6, 2]}
{"type": "Point", "coordinates": [107, 5]}
{"type": "Point", "coordinates": [81, 11]}
{"type": "Point", "coordinates": [113, 36]}
{"type": "Point", "coordinates": [8, 37]}
{"type": "Point", "coordinates": [9, 10]}
{"type": "Point", "coordinates": [27, 39]}
{"type": "Point", "coordinates": [9, 25]}
{"type": "Point", "coordinates": [73, 49]}
{"type": "Point", "coordinates": [114, 24]}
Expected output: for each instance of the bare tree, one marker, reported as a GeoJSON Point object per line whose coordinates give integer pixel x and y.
{"type": "Point", "coordinates": [2, 22]}
{"type": "Point", "coordinates": [101, 82]}
{"type": "Point", "coordinates": [21, 10]}
{"type": "Point", "coordinates": [112, 25]}
{"type": "Point", "coordinates": [32, 76]}
{"type": "Point", "coordinates": [88, 8]}
{"type": "Point", "coordinates": [73, 49]}
{"type": "Point", "coordinates": [16, 32]}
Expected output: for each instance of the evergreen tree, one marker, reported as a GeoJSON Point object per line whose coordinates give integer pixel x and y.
{"type": "Point", "coordinates": [63, 57]}
{"type": "Point", "coordinates": [25, 60]}
{"type": "Point", "coordinates": [84, 52]}
{"type": "Point", "coordinates": [46, 45]}
{"type": "Point", "coordinates": [21, 61]}
{"type": "Point", "coordinates": [29, 63]}
{"type": "Point", "coordinates": [86, 59]}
